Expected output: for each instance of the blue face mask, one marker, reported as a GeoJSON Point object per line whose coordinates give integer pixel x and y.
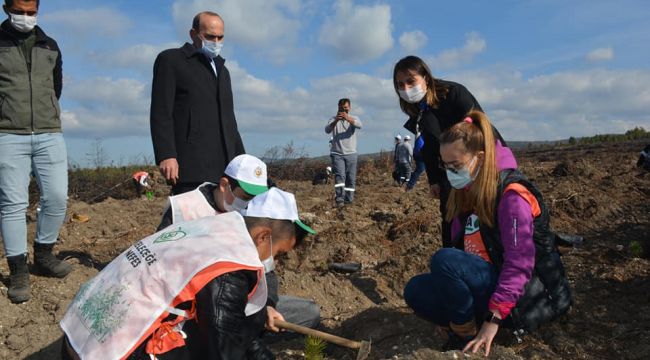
{"type": "Point", "coordinates": [460, 179]}
{"type": "Point", "coordinates": [211, 49]}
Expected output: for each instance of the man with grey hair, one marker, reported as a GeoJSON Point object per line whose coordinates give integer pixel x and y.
{"type": "Point", "coordinates": [193, 126]}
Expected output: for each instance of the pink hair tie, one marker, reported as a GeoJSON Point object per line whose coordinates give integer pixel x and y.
{"type": "Point", "coordinates": [468, 120]}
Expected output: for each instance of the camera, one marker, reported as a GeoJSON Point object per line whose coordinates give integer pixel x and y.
{"type": "Point", "coordinates": [342, 110]}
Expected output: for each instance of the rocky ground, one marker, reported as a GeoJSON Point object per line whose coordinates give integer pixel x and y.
{"type": "Point", "coordinates": [593, 191]}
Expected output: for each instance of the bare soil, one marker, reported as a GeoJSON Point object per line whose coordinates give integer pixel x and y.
{"type": "Point", "coordinates": [592, 191]}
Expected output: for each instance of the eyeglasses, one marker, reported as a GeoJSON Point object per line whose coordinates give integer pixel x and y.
{"type": "Point", "coordinates": [454, 168]}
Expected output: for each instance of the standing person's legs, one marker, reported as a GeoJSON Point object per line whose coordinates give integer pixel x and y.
{"type": "Point", "coordinates": [181, 188]}
{"type": "Point", "coordinates": [419, 169]}
{"type": "Point", "coordinates": [338, 166]}
{"type": "Point", "coordinates": [350, 176]}
{"type": "Point", "coordinates": [15, 165]}
{"type": "Point", "coordinates": [50, 165]}
{"type": "Point", "coordinates": [407, 172]}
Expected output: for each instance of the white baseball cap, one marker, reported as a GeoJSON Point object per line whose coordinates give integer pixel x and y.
{"type": "Point", "coordinates": [250, 173]}
{"type": "Point", "coordinates": [398, 137]}
{"type": "Point", "coordinates": [276, 204]}
{"type": "Point", "coordinates": [407, 137]}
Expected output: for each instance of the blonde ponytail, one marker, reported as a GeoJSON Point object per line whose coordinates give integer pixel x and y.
{"type": "Point", "coordinates": [477, 135]}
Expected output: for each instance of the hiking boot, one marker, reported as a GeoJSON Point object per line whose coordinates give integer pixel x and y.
{"type": "Point", "coordinates": [47, 264]}
{"type": "Point", "coordinates": [19, 279]}
{"type": "Point", "coordinates": [455, 342]}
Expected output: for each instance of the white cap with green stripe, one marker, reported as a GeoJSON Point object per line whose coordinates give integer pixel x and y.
{"type": "Point", "coordinates": [276, 204]}
{"type": "Point", "coordinates": [250, 173]}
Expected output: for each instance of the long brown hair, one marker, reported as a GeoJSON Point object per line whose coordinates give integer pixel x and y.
{"type": "Point", "coordinates": [436, 91]}
{"type": "Point", "coordinates": [476, 136]}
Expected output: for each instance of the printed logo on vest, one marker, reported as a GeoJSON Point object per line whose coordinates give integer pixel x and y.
{"type": "Point", "coordinates": [170, 236]}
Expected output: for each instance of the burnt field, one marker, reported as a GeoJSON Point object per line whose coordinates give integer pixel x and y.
{"type": "Point", "coordinates": [594, 191]}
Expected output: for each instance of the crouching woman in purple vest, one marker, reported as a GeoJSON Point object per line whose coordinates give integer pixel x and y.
{"type": "Point", "coordinates": [504, 269]}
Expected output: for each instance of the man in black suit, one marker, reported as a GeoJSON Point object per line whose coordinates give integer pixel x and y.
{"type": "Point", "coordinates": [193, 124]}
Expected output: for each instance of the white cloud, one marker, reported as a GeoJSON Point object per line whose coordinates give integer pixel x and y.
{"type": "Point", "coordinates": [474, 45]}
{"type": "Point", "coordinates": [412, 40]}
{"type": "Point", "coordinates": [601, 54]}
{"type": "Point", "coordinates": [563, 104]}
{"type": "Point", "coordinates": [89, 23]}
{"type": "Point", "coordinates": [105, 107]}
{"type": "Point", "coordinates": [269, 27]}
{"type": "Point", "coordinates": [140, 56]}
{"type": "Point", "coordinates": [357, 33]}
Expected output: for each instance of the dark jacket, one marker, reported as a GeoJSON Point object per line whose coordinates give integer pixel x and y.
{"type": "Point", "coordinates": [29, 91]}
{"type": "Point", "coordinates": [547, 294]}
{"type": "Point", "coordinates": [192, 114]}
{"type": "Point", "coordinates": [207, 191]}
{"type": "Point", "coordinates": [433, 122]}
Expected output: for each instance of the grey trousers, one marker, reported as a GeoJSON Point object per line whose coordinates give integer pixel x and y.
{"type": "Point", "coordinates": [345, 176]}
{"type": "Point", "coordinates": [299, 311]}
{"type": "Point", "coordinates": [404, 170]}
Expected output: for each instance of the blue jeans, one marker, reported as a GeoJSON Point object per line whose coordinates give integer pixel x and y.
{"type": "Point", "coordinates": [345, 176]}
{"type": "Point", "coordinates": [419, 169]}
{"type": "Point", "coordinates": [46, 157]}
{"type": "Point", "coordinates": [456, 290]}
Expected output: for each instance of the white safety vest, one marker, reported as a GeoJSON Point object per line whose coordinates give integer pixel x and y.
{"type": "Point", "coordinates": [125, 303]}
{"type": "Point", "coordinates": [190, 205]}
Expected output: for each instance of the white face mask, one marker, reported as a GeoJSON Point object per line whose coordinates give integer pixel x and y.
{"type": "Point", "coordinates": [211, 49]}
{"type": "Point", "coordinates": [237, 204]}
{"type": "Point", "coordinates": [22, 23]}
{"type": "Point", "coordinates": [460, 179]}
{"type": "Point", "coordinates": [269, 262]}
{"type": "Point", "coordinates": [413, 94]}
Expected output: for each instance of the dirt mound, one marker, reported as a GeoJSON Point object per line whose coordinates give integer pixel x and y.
{"type": "Point", "coordinates": [593, 191]}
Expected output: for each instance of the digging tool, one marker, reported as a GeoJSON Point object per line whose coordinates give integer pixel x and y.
{"type": "Point", "coordinates": [363, 346]}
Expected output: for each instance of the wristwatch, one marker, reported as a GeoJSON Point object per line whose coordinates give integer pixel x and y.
{"type": "Point", "coordinates": [491, 318]}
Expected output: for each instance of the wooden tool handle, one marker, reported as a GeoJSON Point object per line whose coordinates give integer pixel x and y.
{"type": "Point", "coordinates": [318, 334]}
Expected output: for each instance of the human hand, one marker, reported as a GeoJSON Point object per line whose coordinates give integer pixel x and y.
{"type": "Point", "coordinates": [483, 338]}
{"type": "Point", "coordinates": [272, 315]}
{"type": "Point", "coordinates": [434, 190]}
{"type": "Point", "coordinates": [169, 169]}
{"type": "Point", "coordinates": [342, 115]}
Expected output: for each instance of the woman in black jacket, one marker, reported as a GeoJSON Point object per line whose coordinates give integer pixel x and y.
{"type": "Point", "coordinates": [433, 106]}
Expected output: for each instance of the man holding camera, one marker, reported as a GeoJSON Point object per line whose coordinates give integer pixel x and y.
{"type": "Point", "coordinates": [343, 151]}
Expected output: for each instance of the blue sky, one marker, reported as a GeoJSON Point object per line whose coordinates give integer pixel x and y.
{"type": "Point", "coordinates": [542, 69]}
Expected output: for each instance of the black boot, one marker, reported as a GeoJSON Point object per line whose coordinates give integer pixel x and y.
{"type": "Point", "coordinates": [47, 264]}
{"type": "Point", "coordinates": [19, 279]}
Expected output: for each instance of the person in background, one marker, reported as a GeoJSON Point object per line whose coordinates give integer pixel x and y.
{"type": "Point", "coordinates": [419, 163]}
{"type": "Point", "coordinates": [504, 267]}
{"type": "Point", "coordinates": [644, 159]}
{"type": "Point", "coordinates": [398, 141]}
{"type": "Point", "coordinates": [31, 141]}
{"type": "Point", "coordinates": [343, 128]}
{"type": "Point", "coordinates": [404, 157]}
{"type": "Point", "coordinates": [433, 106]}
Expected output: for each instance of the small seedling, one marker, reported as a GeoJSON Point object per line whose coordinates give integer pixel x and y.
{"type": "Point", "coordinates": [636, 249]}
{"type": "Point", "coordinates": [314, 348]}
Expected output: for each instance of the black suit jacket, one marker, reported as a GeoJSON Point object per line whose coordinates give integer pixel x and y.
{"type": "Point", "coordinates": [192, 114]}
